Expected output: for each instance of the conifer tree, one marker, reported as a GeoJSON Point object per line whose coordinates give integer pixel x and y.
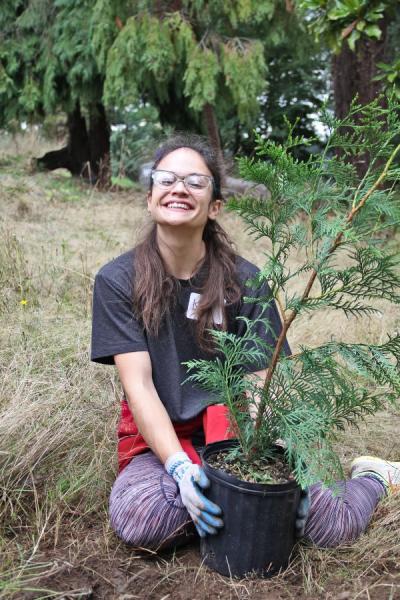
{"type": "Point", "coordinates": [47, 65]}
{"type": "Point", "coordinates": [356, 31]}
{"type": "Point", "coordinates": [192, 59]}
{"type": "Point", "coordinates": [326, 208]}
{"type": "Point", "coordinates": [196, 61]}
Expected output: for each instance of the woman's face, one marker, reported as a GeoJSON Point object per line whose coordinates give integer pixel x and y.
{"type": "Point", "coordinates": [179, 205]}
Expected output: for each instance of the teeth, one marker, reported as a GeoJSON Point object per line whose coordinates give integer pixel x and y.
{"type": "Point", "coordinates": [177, 205]}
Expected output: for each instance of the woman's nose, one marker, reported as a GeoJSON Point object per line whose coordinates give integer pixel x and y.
{"type": "Point", "coordinates": [179, 187]}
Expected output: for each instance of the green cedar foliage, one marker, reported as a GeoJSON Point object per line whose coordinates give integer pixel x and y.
{"type": "Point", "coordinates": [321, 205]}
{"type": "Point", "coordinates": [210, 47]}
{"type": "Point", "coordinates": [46, 62]}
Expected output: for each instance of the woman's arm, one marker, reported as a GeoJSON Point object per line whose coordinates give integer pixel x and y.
{"type": "Point", "coordinates": [150, 415]}
{"type": "Point", "coordinates": [154, 424]}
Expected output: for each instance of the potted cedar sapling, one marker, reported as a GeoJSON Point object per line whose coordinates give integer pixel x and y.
{"type": "Point", "coordinates": [323, 211]}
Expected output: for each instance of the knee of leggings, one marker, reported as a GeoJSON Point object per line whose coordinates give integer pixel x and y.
{"type": "Point", "coordinates": [128, 523]}
{"type": "Point", "coordinates": [144, 527]}
{"type": "Point", "coordinates": [344, 525]}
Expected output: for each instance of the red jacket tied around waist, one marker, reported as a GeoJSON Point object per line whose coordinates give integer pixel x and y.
{"type": "Point", "coordinates": [214, 421]}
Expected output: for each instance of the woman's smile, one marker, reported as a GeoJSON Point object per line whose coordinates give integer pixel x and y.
{"type": "Point", "coordinates": [178, 205]}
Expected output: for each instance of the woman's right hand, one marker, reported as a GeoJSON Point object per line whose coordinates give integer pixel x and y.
{"type": "Point", "coordinates": [190, 477]}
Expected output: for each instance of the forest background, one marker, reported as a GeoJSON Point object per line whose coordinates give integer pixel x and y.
{"type": "Point", "coordinates": [121, 74]}
{"type": "Point", "coordinates": [91, 87]}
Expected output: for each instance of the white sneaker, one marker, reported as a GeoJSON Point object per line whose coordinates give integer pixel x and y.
{"type": "Point", "coordinates": [387, 472]}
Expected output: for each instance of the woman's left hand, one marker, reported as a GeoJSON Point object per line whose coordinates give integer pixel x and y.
{"type": "Point", "coordinates": [302, 512]}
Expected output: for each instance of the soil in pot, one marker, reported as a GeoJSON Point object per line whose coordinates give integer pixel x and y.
{"type": "Point", "coordinates": [275, 470]}
{"type": "Point", "coordinates": [259, 520]}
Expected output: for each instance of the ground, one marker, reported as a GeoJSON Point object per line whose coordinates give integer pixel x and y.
{"type": "Point", "coordinates": [58, 415]}
{"type": "Point", "coordinates": [117, 572]}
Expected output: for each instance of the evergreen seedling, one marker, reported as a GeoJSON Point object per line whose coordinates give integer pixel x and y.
{"type": "Point", "coordinates": [324, 207]}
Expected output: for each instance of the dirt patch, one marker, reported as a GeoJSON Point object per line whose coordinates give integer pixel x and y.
{"type": "Point", "coordinates": [89, 562]}
{"type": "Point", "coordinates": [121, 573]}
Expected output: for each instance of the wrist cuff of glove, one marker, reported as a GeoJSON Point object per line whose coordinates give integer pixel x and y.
{"type": "Point", "coordinates": [174, 462]}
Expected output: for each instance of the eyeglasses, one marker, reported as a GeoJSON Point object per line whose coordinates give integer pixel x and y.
{"type": "Point", "coordinates": [193, 182]}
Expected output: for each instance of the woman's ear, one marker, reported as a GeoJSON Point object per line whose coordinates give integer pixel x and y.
{"type": "Point", "coordinates": [214, 209]}
{"type": "Point", "coordinates": [148, 198]}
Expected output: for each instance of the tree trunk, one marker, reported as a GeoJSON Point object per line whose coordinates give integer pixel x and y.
{"type": "Point", "coordinates": [86, 153]}
{"type": "Point", "coordinates": [353, 74]}
{"type": "Point", "coordinates": [75, 154]}
{"type": "Point", "coordinates": [99, 144]}
{"type": "Point", "coordinates": [211, 126]}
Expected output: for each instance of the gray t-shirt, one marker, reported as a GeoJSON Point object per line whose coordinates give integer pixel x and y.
{"type": "Point", "coordinates": [116, 330]}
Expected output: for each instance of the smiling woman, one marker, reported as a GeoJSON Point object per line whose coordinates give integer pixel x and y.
{"type": "Point", "coordinates": [153, 309]}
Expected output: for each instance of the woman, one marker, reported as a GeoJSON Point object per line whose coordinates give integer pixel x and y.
{"type": "Point", "coordinates": [151, 312]}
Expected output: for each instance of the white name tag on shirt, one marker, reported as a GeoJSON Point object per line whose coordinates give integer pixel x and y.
{"type": "Point", "coordinates": [191, 312]}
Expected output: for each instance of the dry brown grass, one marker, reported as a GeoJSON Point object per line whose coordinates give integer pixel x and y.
{"type": "Point", "coordinates": [58, 414]}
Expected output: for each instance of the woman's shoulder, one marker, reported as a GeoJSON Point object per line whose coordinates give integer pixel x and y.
{"type": "Point", "coordinates": [249, 277]}
{"type": "Point", "coordinates": [120, 270]}
{"type": "Point", "coordinates": [245, 269]}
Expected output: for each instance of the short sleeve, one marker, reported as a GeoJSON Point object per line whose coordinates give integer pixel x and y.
{"type": "Point", "coordinates": [115, 330]}
{"type": "Point", "coordinates": [268, 329]}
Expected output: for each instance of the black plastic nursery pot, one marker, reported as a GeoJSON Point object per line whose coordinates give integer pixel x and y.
{"type": "Point", "coordinates": [259, 522]}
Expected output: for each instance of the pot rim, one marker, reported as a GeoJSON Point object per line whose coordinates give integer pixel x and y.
{"type": "Point", "coordinates": [239, 484]}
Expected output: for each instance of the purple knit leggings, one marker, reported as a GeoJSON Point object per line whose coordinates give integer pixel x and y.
{"type": "Point", "coordinates": [146, 509]}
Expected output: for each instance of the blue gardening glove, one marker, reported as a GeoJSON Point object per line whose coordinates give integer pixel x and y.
{"type": "Point", "coordinates": [302, 512]}
{"type": "Point", "coordinates": [191, 477]}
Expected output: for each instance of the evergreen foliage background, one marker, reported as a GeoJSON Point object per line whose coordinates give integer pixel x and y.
{"type": "Point", "coordinates": [250, 61]}
{"type": "Point", "coordinates": [46, 61]}
{"type": "Point", "coordinates": [55, 54]}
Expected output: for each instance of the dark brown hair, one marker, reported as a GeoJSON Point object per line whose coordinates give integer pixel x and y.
{"type": "Point", "coordinates": [155, 290]}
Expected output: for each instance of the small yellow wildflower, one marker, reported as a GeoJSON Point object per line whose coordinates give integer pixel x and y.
{"type": "Point", "coordinates": [23, 302]}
